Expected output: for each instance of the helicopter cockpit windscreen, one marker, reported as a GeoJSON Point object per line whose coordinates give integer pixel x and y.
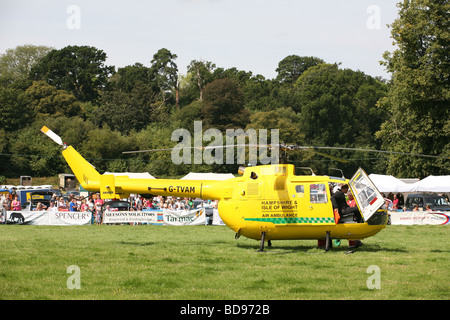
{"type": "Point", "coordinates": [367, 196]}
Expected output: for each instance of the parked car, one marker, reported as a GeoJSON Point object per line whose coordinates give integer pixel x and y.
{"type": "Point", "coordinates": [436, 202]}
{"type": "Point", "coordinates": [70, 193]}
{"type": "Point", "coordinates": [43, 197]}
{"type": "Point", "coordinates": [116, 205]}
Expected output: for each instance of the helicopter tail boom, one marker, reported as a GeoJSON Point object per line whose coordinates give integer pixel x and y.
{"type": "Point", "coordinates": [87, 176]}
{"type": "Point", "coordinates": [164, 187]}
{"type": "Point", "coordinates": [119, 187]}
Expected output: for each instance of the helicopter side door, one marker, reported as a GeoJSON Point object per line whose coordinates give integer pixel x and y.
{"type": "Point", "coordinates": [367, 196]}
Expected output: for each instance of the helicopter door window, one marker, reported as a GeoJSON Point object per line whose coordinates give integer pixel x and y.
{"type": "Point", "coordinates": [367, 196]}
{"type": "Point", "coordinates": [300, 191]}
{"type": "Point", "coordinates": [318, 193]}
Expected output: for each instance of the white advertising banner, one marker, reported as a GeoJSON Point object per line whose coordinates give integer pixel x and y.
{"type": "Point", "coordinates": [159, 217]}
{"type": "Point", "coordinates": [49, 218]}
{"type": "Point", "coordinates": [419, 218]}
{"type": "Point", "coordinates": [217, 220]}
{"type": "Point", "coordinates": [150, 217]}
{"type": "Point", "coordinates": [184, 217]}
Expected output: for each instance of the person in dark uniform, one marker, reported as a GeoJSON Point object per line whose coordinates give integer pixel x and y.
{"type": "Point", "coordinates": [339, 202]}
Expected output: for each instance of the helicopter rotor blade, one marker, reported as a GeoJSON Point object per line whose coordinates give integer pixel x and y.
{"type": "Point", "coordinates": [201, 148]}
{"type": "Point", "coordinates": [312, 149]}
{"type": "Point", "coordinates": [291, 147]}
{"type": "Point", "coordinates": [143, 151]}
{"type": "Point", "coordinates": [49, 133]}
{"type": "Point", "coordinates": [383, 151]}
{"type": "Point", "coordinates": [328, 156]}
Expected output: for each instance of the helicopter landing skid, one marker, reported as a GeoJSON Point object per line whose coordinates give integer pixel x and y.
{"type": "Point", "coordinates": [269, 242]}
{"type": "Point", "coordinates": [325, 243]}
{"type": "Point", "coordinates": [261, 247]}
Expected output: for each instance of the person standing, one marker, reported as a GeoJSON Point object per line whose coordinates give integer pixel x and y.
{"type": "Point", "coordinates": [395, 203]}
{"type": "Point", "coordinates": [15, 204]}
{"type": "Point", "coordinates": [6, 203]}
{"type": "Point", "coordinates": [73, 206]}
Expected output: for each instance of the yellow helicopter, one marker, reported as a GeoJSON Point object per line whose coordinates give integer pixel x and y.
{"type": "Point", "coordinates": [268, 202]}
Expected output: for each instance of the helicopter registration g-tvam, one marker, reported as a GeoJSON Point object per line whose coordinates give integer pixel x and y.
{"type": "Point", "coordinates": [268, 202]}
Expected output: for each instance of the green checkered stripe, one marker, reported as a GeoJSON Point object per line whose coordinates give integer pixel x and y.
{"type": "Point", "coordinates": [313, 220]}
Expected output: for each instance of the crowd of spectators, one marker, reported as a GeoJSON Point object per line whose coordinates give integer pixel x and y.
{"type": "Point", "coordinates": [94, 204]}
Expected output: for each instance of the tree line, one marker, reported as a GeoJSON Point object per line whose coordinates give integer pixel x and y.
{"type": "Point", "coordinates": [102, 111]}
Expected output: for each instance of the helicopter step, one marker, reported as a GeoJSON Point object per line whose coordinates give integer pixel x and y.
{"type": "Point", "coordinates": [263, 238]}
{"type": "Point", "coordinates": [261, 247]}
{"type": "Point", "coordinates": [328, 243]}
{"type": "Point", "coordinates": [325, 243]}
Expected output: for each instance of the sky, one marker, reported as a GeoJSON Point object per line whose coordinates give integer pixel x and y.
{"type": "Point", "coordinates": [251, 35]}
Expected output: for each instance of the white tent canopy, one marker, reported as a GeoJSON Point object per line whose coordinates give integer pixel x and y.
{"type": "Point", "coordinates": [207, 176]}
{"type": "Point", "coordinates": [385, 183]}
{"type": "Point", "coordinates": [133, 175]}
{"type": "Point", "coordinates": [432, 184]}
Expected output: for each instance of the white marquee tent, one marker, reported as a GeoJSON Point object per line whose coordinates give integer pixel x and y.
{"type": "Point", "coordinates": [432, 184]}
{"type": "Point", "coordinates": [385, 183]}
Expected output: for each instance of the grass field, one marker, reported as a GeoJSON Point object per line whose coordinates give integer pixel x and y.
{"type": "Point", "coordinates": [206, 262]}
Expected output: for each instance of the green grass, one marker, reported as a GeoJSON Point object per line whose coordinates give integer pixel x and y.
{"type": "Point", "coordinates": [206, 262]}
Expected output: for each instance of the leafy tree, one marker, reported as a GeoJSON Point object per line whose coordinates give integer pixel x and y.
{"type": "Point", "coordinates": [338, 108]}
{"type": "Point", "coordinates": [77, 69]}
{"type": "Point", "coordinates": [284, 119]}
{"type": "Point", "coordinates": [157, 163]}
{"type": "Point", "coordinates": [164, 71]}
{"type": "Point", "coordinates": [102, 146]}
{"type": "Point", "coordinates": [232, 73]}
{"type": "Point", "coordinates": [292, 67]}
{"type": "Point", "coordinates": [124, 111]}
{"type": "Point", "coordinates": [126, 78]}
{"type": "Point", "coordinates": [261, 94]}
{"type": "Point", "coordinates": [335, 104]}
{"type": "Point", "coordinates": [72, 130]}
{"type": "Point", "coordinates": [103, 113]}
{"type": "Point", "coordinates": [419, 98]}
{"type": "Point", "coordinates": [188, 90]}
{"type": "Point", "coordinates": [201, 74]}
{"type": "Point", "coordinates": [223, 105]}
{"type": "Point", "coordinates": [46, 100]}
{"type": "Point", "coordinates": [185, 117]}
{"type": "Point", "coordinates": [15, 110]}
{"type": "Point", "coordinates": [5, 165]}
{"type": "Point", "coordinates": [16, 64]}
{"type": "Point", "coordinates": [34, 154]}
